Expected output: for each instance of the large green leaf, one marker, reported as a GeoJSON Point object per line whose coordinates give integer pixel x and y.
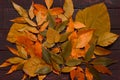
{"type": "Point", "coordinates": [103, 61]}
{"type": "Point", "coordinates": [107, 39]}
{"type": "Point", "coordinates": [66, 49]}
{"type": "Point", "coordinates": [73, 62]}
{"type": "Point", "coordinates": [20, 9]}
{"type": "Point", "coordinates": [68, 8]}
{"type": "Point", "coordinates": [46, 55]}
{"type": "Point", "coordinates": [96, 17]}
{"type": "Point", "coordinates": [57, 58]}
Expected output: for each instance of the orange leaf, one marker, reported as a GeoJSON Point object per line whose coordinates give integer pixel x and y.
{"type": "Point", "coordinates": [78, 25]}
{"type": "Point", "coordinates": [70, 27]}
{"type": "Point", "coordinates": [43, 27]}
{"type": "Point", "coordinates": [56, 50]}
{"type": "Point", "coordinates": [41, 8]}
{"type": "Point", "coordinates": [88, 74]}
{"type": "Point", "coordinates": [84, 37]}
{"type": "Point", "coordinates": [73, 74]}
{"type": "Point", "coordinates": [5, 64]}
{"type": "Point", "coordinates": [40, 37]}
{"type": "Point", "coordinates": [73, 35]}
{"type": "Point", "coordinates": [49, 3]}
{"type": "Point", "coordinates": [102, 69]}
{"type": "Point", "coordinates": [38, 49]}
{"type": "Point", "coordinates": [12, 69]}
{"type": "Point", "coordinates": [14, 51]}
{"type": "Point", "coordinates": [56, 11]}
{"type": "Point", "coordinates": [31, 36]}
{"type": "Point", "coordinates": [24, 77]}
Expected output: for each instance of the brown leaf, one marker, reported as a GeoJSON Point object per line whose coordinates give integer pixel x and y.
{"type": "Point", "coordinates": [14, 51]}
{"type": "Point", "coordinates": [40, 37]}
{"type": "Point", "coordinates": [88, 74]}
{"type": "Point", "coordinates": [73, 74]}
{"type": "Point", "coordinates": [56, 50]}
{"type": "Point", "coordinates": [12, 69]}
{"type": "Point", "coordinates": [19, 20]}
{"type": "Point", "coordinates": [5, 64]}
{"type": "Point", "coordinates": [38, 49]}
{"type": "Point", "coordinates": [31, 36]}
{"type": "Point", "coordinates": [84, 37]}
{"type": "Point", "coordinates": [102, 69]}
{"type": "Point", "coordinates": [56, 11]}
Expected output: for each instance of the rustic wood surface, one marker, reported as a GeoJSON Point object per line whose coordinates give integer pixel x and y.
{"type": "Point", "coordinates": [7, 13]}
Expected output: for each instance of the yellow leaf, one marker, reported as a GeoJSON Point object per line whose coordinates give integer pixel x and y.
{"type": "Point", "coordinates": [78, 25]}
{"type": "Point", "coordinates": [30, 22]}
{"type": "Point", "coordinates": [12, 69]}
{"type": "Point", "coordinates": [56, 11]}
{"type": "Point", "coordinates": [41, 77]}
{"type": "Point", "coordinates": [38, 49]}
{"type": "Point", "coordinates": [31, 14]}
{"type": "Point", "coordinates": [13, 33]}
{"type": "Point", "coordinates": [43, 27]}
{"type": "Point", "coordinates": [14, 51]}
{"type": "Point", "coordinates": [73, 35]}
{"type": "Point", "coordinates": [5, 64]}
{"type": "Point", "coordinates": [102, 69]}
{"type": "Point", "coordinates": [84, 37]}
{"type": "Point", "coordinates": [56, 50]}
{"type": "Point", "coordinates": [61, 16]}
{"type": "Point", "coordinates": [88, 74]}
{"type": "Point", "coordinates": [31, 36]}
{"type": "Point", "coordinates": [18, 20]}
{"type": "Point", "coordinates": [49, 3]}
{"type": "Point", "coordinates": [68, 69]}
{"type": "Point", "coordinates": [70, 27]}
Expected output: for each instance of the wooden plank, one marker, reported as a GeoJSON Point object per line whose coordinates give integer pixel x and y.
{"type": "Point", "coordinates": [77, 3]}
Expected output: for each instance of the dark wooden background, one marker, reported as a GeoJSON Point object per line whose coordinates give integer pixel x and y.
{"type": "Point", "coordinates": [7, 13]}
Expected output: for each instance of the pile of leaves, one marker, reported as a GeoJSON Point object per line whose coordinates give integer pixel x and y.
{"type": "Point", "coordinates": [49, 40]}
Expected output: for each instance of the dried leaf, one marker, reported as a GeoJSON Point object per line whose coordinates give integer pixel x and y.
{"type": "Point", "coordinates": [12, 69]}
{"type": "Point", "coordinates": [43, 27]}
{"type": "Point", "coordinates": [19, 20]}
{"type": "Point", "coordinates": [49, 3]}
{"type": "Point", "coordinates": [103, 61]}
{"type": "Point", "coordinates": [38, 49]}
{"type": "Point", "coordinates": [31, 13]}
{"type": "Point", "coordinates": [5, 64]}
{"type": "Point", "coordinates": [95, 21]}
{"type": "Point", "coordinates": [56, 11]}
{"type": "Point", "coordinates": [107, 39]}
{"type": "Point", "coordinates": [68, 8]}
{"type": "Point", "coordinates": [70, 27]}
{"type": "Point", "coordinates": [73, 62]}
{"type": "Point", "coordinates": [80, 74]}
{"type": "Point", "coordinates": [102, 69]}
{"type": "Point", "coordinates": [88, 74]}
{"type": "Point", "coordinates": [67, 69]}
{"type": "Point", "coordinates": [30, 22]}
{"type": "Point", "coordinates": [73, 74]}
{"type": "Point", "coordinates": [31, 36]}
{"type": "Point", "coordinates": [41, 77]}
{"type": "Point", "coordinates": [61, 16]}
{"type": "Point", "coordinates": [55, 50]}
{"type": "Point", "coordinates": [24, 77]}
{"type": "Point", "coordinates": [78, 25]}
{"type": "Point", "coordinates": [14, 51]}
{"type": "Point", "coordinates": [15, 60]}
{"type": "Point", "coordinates": [40, 37]}
{"type": "Point", "coordinates": [83, 38]}
{"type": "Point", "coordinates": [101, 51]}
{"type": "Point", "coordinates": [20, 9]}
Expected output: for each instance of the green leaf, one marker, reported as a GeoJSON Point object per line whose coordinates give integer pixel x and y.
{"type": "Point", "coordinates": [94, 72]}
{"type": "Point", "coordinates": [46, 55]}
{"type": "Point", "coordinates": [44, 70]}
{"type": "Point", "coordinates": [20, 9]}
{"type": "Point", "coordinates": [64, 37]}
{"type": "Point", "coordinates": [68, 8]}
{"type": "Point", "coordinates": [73, 62]}
{"type": "Point", "coordinates": [67, 69]}
{"type": "Point", "coordinates": [66, 49]}
{"type": "Point", "coordinates": [57, 58]}
{"type": "Point", "coordinates": [101, 51]}
{"type": "Point", "coordinates": [61, 26]}
{"type": "Point", "coordinates": [103, 61]}
{"type": "Point", "coordinates": [32, 65]}
{"type": "Point", "coordinates": [90, 53]}
{"type": "Point", "coordinates": [15, 60]}
{"type": "Point", "coordinates": [100, 21]}
{"type": "Point", "coordinates": [51, 20]}
{"type": "Point", "coordinates": [107, 39]}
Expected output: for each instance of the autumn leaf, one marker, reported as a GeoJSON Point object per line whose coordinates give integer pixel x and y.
{"type": "Point", "coordinates": [78, 25]}
{"type": "Point", "coordinates": [68, 8]}
{"type": "Point", "coordinates": [107, 39]}
{"type": "Point", "coordinates": [70, 27]}
{"type": "Point", "coordinates": [14, 51]}
{"type": "Point", "coordinates": [30, 12]}
{"type": "Point", "coordinates": [24, 77]}
{"type": "Point", "coordinates": [102, 69]}
{"type": "Point", "coordinates": [31, 36]}
{"type": "Point", "coordinates": [43, 27]}
{"type": "Point", "coordinates": [73, 62]}
{"type": "Point", "coordinates": [20, 9]}
{"type": "Point", "coordinates": [56, 11]}
{"type": "Point", "coordinates": [41, 77]}
{"type": "Point", "coordinates": [12, 69]}
{"type": "Point", "coordinates": [101, 51]}
{"type": "Point", "coordinates": [83, 38]}
{"type": "Point", "coordinates": [20, 20]}
{"type": "Point", "coordinates": [62, 16]}
{"type": "Point", "coordinates": [30, 22]}
{"type": "Point", "coordinates": [38, 49]}
{"type": "Point", "coordinates": [88, 74]}
{"type": "Point", "coordinates": [67, 69]}
{"type": "Point", "coordinates": [49, 3]}
{"type": "Point", "coordinates": [15, 60]}
{"type": "Point", "coordinates": [5, 64]}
